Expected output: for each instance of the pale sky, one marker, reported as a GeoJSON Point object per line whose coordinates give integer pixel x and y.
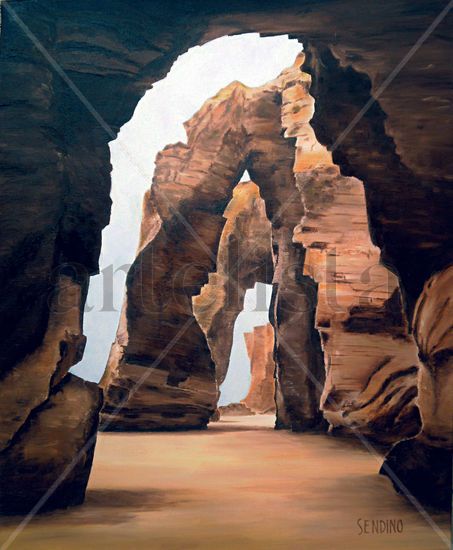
{"type": "Point", "coordinates": [158, 121]}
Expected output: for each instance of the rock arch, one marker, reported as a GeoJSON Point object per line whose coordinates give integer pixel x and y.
{"type": "Point", "coordinates": [244, 258]}
{"type": "Point", "coordinates": [181, 230]}
{"type": "Point", "coordinates": [371, 360]}
{"type": "Point", "coordinates": [240, 128]}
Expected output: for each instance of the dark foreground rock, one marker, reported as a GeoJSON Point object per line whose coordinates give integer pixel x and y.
{"type": "Point", "coordinates": [55, 446]}
{"type": "Point", "coordinates": [421, 471]}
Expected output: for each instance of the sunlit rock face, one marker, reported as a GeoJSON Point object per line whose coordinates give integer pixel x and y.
{"type": "Point", "coordinates": [260, 348]}
{"type": "Point", "coordinates": [244, 258]}
{"type": "Point", "coordinates": [424, 464]}
{"type": "Point", "coordinates": [371, 360]}
{"type": "Point", "coordinates": [233, 409]}
{"type": "Point", "coordinates": [298, 355]}
{"type": "Point", "coordinates": [317, 221]}
{"type": "Point", "coordinates": [55, 190]}
{"type": "Point", "coordinates": [160, 371]}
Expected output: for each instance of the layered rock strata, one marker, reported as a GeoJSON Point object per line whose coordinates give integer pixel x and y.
{"type": "Point", "coordinates": [298, 355]}
{"type": "Point", "coordinates": [260, 348]}
{"type": "Point", "coordinates": [424, 464]}
{"type": "Point", "coordinates": [55, 188]}
{"type": "Point", "coordinates": [371, 359]}
{"type": "Point", "coordinates": [244, 258]}
{"type": "Point", "coordinates": [160, 372]}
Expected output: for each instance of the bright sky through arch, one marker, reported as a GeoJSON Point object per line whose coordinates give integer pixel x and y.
{"type": "Point", "coordinates": [158, 121]}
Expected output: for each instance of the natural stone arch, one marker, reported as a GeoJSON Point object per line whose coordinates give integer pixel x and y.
{"type": "Point", "coordinates": [240, 128]}
{"type": "Point", "coordinates": [378, 398]}
{"type": "Point", "coordinates": [181, 229]}
{"type": "Point", "coordinates": [244, 258]}
{"type": "Point", "coordinates": [300, 363]}
{"type": "Point", "coordinates": [114, 66]}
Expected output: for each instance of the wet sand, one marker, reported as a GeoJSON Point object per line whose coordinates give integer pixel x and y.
{"type": "Point", "coordinates": [238, 485]}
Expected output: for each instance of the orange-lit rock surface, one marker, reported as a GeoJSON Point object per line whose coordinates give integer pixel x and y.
{"type": "Point", "coordinates": [160, 371]}
{"type": "Point", "coordinates": [324, 262]}
{"type": "Point", "coordinates": [244, 257]}
{"type": "Point", "coordinates": [55, 184]}
{"type": "Point", "coordinates": [260, 348]}
{"type": "Point", "coordinates": [234, 409]}
{"type": "Point", "coordinates": [298, 354]}
{"type": "Point", "coordinates": [371, 360]}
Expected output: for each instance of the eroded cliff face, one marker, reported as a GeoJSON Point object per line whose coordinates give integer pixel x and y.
{"type": "Point", "coordinates": [161, 374]}
{"type": "Point", "coordinates": [260, 348]}
{"type": "Point", "coordinates": [317, 220]}
{"type": "Point", "coordinates": [240, 128]}
{"type": "Point", "coordinates": [114, 53]}
{"type": "Point", "coordinates": [244, 258]}
{"type": "Point", "coordinates": [371, 360]}
{"type": "Point", "coordinates": [424, 464]}
{"type": "Point", "coordinates": [370, 357]}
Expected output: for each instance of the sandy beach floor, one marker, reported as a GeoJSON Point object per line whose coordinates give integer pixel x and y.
{"type": "Point", "coordinates": [238, 485]}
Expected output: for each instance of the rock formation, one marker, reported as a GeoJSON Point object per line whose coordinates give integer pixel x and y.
{"type": "Point", "coordinates": [386, 121]}
{"type": "Point", "coordinates": [48, 415]}
{"type": "Point", "coordinates": [61, 220]}
{"type": "Point", "coordinates": [371, 360]}
{"type": "Point", "coordinates": [55, 443]}
{"type": "Point", "coordinates": [159, 385]}
{"type": "Point", "coordinates": [244, 258]}
{"type": "Point", "coordinates": [160, 371]}
{"type": "Point", "coordinates": [298, 354]}
{"type": "Point", "coordinates": [424, 464]}
{"type": "Point", "coordinates": [370, 357]}
{"type": "Point", "coordinates": [235, 409]}
{"type": "Point", "coordinates": [260, 348]}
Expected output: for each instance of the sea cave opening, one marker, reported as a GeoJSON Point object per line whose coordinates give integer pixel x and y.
{"type": "Point", "coordinates": [344, 359]}
{"type": "Point", "coordinates": [158, 120]}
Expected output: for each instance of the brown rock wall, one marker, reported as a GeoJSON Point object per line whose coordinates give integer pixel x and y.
{"type": "Point", "coordinates": [260, 348]}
